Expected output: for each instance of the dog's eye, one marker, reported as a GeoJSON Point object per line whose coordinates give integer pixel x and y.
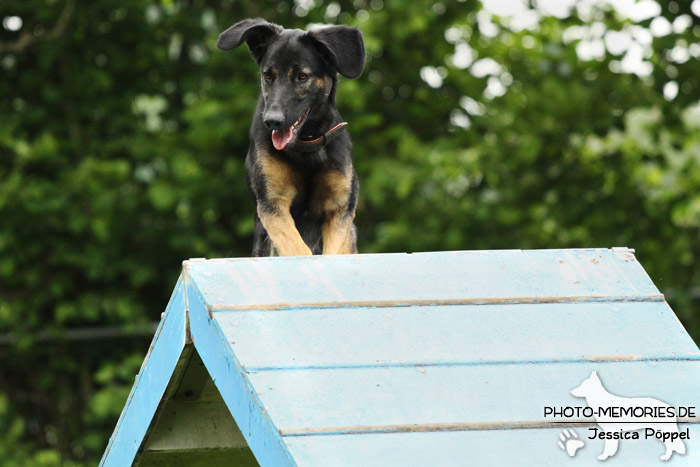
{"type": "Point", "coordinates": [267, 76]}
{"type": "Point", "coordinates": [302, 76]}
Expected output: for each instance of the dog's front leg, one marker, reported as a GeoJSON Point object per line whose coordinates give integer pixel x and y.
{"type": "Point", "coordinates": [282, 231]}
{"type": "Point", "coordinates": [337, 199]}
{"type": "Point", "coordinates": [338, 235]}
{"type": "Point", "coordinates": [280, 185]}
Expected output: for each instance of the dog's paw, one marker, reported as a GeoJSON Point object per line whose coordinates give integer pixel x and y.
{"type": "Point", "coordinates": [569, 442]}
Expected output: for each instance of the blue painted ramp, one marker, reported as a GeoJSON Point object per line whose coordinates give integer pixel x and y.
{"type": "Point", "coordinates": [424, 359]}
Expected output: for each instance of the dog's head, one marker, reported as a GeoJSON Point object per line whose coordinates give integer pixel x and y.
{"type": "Point", "coordinates": [589, 386]}
{"type": "Point", "coordinates": [298, 69]}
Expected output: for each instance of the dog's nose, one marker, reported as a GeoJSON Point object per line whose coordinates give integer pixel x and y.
{"type": "Point", "coordinates": [273, 119]}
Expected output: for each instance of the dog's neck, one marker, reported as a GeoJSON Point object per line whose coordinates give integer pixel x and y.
{"type": "Point", "coordinates": [315, 144]}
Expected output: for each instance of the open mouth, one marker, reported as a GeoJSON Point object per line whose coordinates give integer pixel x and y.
{"type": "Point", "coordinates": [282, 138]}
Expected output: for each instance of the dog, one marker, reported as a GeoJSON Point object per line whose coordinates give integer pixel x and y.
{"type": "Point", "coordinates": [299, 166]}
{"type": "Point", "coordinates": [603, 404]}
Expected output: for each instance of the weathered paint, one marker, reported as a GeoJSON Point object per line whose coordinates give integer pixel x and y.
{"type": "Point", "coordinates": [333, 399]}
{"type": "Point", "coordinates": [454, 335]}
{"type": "Point", "coordinates": [186, 425]}
{"type": "Point", "coordinates": [423, 278]}
{"type": "Point", "coordinates": [192, 418]}
{"type": "Point", "coordinates": [434, 358]}
{"type": "Point", "coordinates": [240, 396]}
{"type": "Point", "coordinates": [150, 385]}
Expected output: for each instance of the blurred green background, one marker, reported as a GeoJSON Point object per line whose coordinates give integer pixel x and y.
{"type": "Point", "coordinates": [123, 132]}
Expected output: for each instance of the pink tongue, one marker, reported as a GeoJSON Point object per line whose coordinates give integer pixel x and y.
{"type": "Point", "coordinates": [280, 139]}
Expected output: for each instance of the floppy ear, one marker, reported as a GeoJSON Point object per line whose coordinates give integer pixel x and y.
{"type": "Point", "coordinates": [343, 46]}
{"type": "Point", "coordinates": [257, 33]}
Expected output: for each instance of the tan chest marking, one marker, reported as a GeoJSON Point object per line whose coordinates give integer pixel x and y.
{"type": "Point", "coordinates": [282, 184]}
{"type": "Point", "coordinates": [333, 191]}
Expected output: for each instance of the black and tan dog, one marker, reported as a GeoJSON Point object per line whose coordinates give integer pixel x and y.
{"type": "Point", "coordinates": [299, 164]}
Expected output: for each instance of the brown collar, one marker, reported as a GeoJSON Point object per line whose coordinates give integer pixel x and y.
{"type": "Point", "coordinates": [317, 143]}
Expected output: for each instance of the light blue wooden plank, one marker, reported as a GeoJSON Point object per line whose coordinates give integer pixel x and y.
{"type": "Point", "coordinates": [340, 337]}
{"type": "Point", "coordinates": [150, 384]}
{"type": "Point", "coordinates": [481, 448]}
{"type": "Point", "coordinates": [240, 397]}
{"type": "Point", "coordinates": [335, 399]}
{"type": "Point", "coordinates": [508, 275]}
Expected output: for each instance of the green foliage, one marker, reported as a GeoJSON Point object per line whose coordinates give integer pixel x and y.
{"type": "Point", "coordinates": [123, 134]}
